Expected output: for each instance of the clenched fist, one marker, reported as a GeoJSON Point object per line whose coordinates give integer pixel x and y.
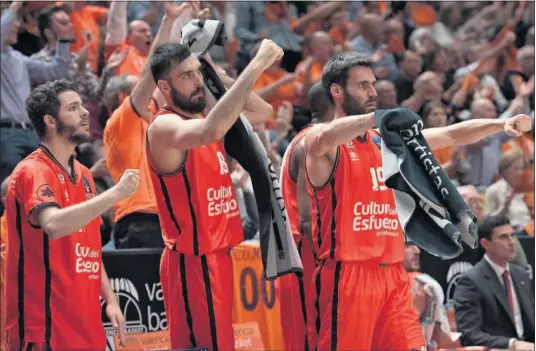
{"type": "Point", "coordinates": [268, 53]}
{"type": "Point", "coordinates": [517, 125]}
{"type": "Point", "coordinates": [128, 184]}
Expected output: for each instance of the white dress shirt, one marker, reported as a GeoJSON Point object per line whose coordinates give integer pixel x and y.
{"type": "Point", "coordinates": [517, 310]}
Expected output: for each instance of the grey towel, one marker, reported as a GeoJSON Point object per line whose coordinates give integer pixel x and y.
{"type": "Point", "coordinates": [432, 212]}
{"type": "Point", "coordinates": [278, 250]}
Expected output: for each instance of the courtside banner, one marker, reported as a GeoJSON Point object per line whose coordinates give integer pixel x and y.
{"type": "Point", "coordinates": [135, 278]}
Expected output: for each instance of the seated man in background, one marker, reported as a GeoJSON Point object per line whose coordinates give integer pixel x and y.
{"type": "Point", "coordinates": [493, 301]}
{"type": "Point", "coordinates": [428, 300]}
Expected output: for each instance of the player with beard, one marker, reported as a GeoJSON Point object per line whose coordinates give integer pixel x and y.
{"type": "Point", "coordinates": [198, 212]}
{"type": "Point", "coordinates": [54, 270]}
{"type": "Point", "coordinates": [363, 296]}
{"type": "Point", "coordinates": [296, 293]}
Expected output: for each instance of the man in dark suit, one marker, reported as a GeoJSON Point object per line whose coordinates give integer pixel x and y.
{"type": "Point", "coordinates": [493, 301]}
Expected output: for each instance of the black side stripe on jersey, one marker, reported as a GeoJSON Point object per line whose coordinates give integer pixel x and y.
{"type": "Point", "coordinates": [318, 286]}
{"type": "Point", "coordinates": [335, 306]}
{"type": "Point", "coordinates": [169, 207]}
{"type": "Point", "coordinates": [210, 303]}
{"type": "Point", "coordinates": [318, 220]}
{"type": "Point", "coordinates": [301, 288]}
{"type": "Point", "coordinates": [192, 213]}
{"type": "Point", "coordinates": [184, 287]}
{"type": "Point", "coordinates": [20, 275]}
{"type": "Point", "coordinates": [333, 243]}
{"type": "Point", "coordinates": [48, 288]}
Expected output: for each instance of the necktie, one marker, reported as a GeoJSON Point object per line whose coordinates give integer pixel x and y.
{"type": "Point", "coordinates": [508, 287]}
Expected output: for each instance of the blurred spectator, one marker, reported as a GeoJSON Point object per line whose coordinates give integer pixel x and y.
{"type": "Point", "coordinates": [494, 303]}
{"type": "Point", "coordinates": [370, 42]}
{"type": "Point", "coordinates": [134, 39]}
{"type": "Point", "coordinates": [484, 155]}
{"type": "Point", "coordinates": [249, 30]}
{"type": "Point", "coordinates": [17, 135]}
{"type": "Point", "coordinates": [427, 87]}
{"type": "Point", "coordinates": [410, 66]}
{"type": "Point", "coordinates": [505, 197]}
{"type": "Point", "coordinates": [387, 94]}
{"type": "Point", "coordinates": [476, 201]}
{"type": "Point", "coordinates": [86, 20]}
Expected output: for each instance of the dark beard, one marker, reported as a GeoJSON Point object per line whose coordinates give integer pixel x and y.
{"type": "Point", "coordinates": [352, 107]}
{"type": "Point", "coordinates": [187, 104]}
{"type": "Point", "coordinates": [71, 135]}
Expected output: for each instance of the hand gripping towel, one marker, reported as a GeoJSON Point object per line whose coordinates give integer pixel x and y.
{"type": "Point", "coordinates": [432, 212]}
{"type": "Point", "coordinates": [278, 250]}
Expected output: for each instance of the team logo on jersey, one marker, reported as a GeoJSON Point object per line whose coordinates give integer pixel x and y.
{"type": "Point", "coordinates": [44, 191]}
{"type": "Point", "coordinates": [87, 187]}
{"type": "Point", "coordinates": [224, 168]}
{"type": "Point", "coordinates": [350, 144]}
{"type": "Point", "coordinates": [353, 156]}
{"type": "Point", "coordinates": [376, 140]}
{"type": "Point", "coordinates": [61, 178]}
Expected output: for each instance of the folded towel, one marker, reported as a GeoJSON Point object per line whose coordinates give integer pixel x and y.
{"type": "Point", "coordinates": [278, 250]}
{"type": "Point", "coordinates": [432, 212]}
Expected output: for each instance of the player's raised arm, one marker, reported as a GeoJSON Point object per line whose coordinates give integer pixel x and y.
{"type": "Point", "coordinates": [191, 133]}
{"type": "Point", "coordinates": [60, 222]}
{"type": "Point", "coordinates": [326, 136]}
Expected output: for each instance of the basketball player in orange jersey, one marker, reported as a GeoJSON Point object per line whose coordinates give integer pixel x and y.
{"type": "Point", "coordinates": [198, 211]}
{"type": "Point", "coordinates": [295, 292]}
{"type": "Point", "coordinates": [363, 297]}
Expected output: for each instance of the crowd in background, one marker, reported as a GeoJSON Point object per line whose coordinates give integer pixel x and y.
{"type": "Point", "coordinates": [446, 61]}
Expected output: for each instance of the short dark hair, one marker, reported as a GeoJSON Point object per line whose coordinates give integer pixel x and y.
{"type": "Point", "coordinates": [318, 100]}
{"type": "Point", "coordinates": [45, 17]}
{"type": "Point", "coordinates": [338, 68]}
{"type": "Point", "coordinates": [44, 101]}
{"type": "Point", "coordinates": [165, 57]}
{"type": "Point", "coordinates": [488, 224]}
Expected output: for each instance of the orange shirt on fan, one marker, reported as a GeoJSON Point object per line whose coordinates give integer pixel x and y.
{"type": "Point", "coordinates": [354, 215]}
{"type": "Point", "coordinates": [84, 22]}
{"type": "Point", "coordinates": [285, 92]}
{"type": "Point", "coordinates": [134, 62]}
{"type": "Point", "coordinates": [124, 143]}
{"type": "Point", "coordinates": [443, 155]}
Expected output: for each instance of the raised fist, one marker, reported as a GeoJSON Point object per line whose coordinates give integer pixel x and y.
{"type": "Point", "coordinates": [268, 53]}
{"type": "Point", "coordinates": [128, 184]}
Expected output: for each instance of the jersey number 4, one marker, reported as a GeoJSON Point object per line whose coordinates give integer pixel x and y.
{"type": "Point", "coordinates": [377, 179]}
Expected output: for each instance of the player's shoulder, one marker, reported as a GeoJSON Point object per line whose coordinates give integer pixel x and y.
{"type": "Point", "coordinates": [36, 162]}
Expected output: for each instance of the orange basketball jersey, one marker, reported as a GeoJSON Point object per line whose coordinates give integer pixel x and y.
{"type": "Point", "coordinates": [197, 204]}
{"type": "Point", "coordinates": [354, 215]}
{"type": "Point", "coordinates": [289, 189]}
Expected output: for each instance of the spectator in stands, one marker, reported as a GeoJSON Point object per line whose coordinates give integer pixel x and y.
{"type": "Point", "coordinates": [17, 135]}
{"type": "Point", "coordinates": [476, 201]}
{"type": "Point", "coordinates": [484, 155]}
{"type": "Point", "coordinates": [494, 303]}
{"type": "Point", "coordinates": [505, 197]}
{"type": "Point", "coordinates": [86, 20]}
{"type": "Point", "coordinates": [387, 94]}
{"type": "Point", "coordinates": [91, 88]}
{"type": "Point", "coordinates": [249, 30]}
{"type": "Point", "coordinates": [134, 38]}
{"type": "Point", "coordinates": [410, 66]}
{"type": "Point", "coordinates": [427, 87]}
{"type": "Point", "coordinates": [371, 41]}
{"type": "Point", "coordinates": [428, 301]}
